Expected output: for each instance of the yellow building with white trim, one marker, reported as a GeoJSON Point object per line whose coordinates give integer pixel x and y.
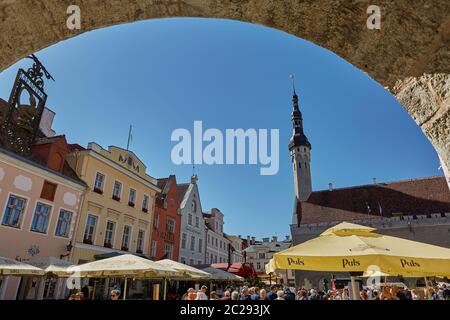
{"type": "Point", "coordinates": [117, 211]}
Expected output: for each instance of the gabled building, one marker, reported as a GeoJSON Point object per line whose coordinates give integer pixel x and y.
{"type": "Point", "coordinates": [40, 198]}
{"type": "Point", "coordinates": [218, 249]}
{"type": "Point", "coordinates": [165, 240]}
{"type": "Point", "coordinates": [193, 232]}
{"type": "Point", "coordinates": [117, 213]}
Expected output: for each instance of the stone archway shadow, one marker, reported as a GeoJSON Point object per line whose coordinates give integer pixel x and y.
{"type": "Point", "coordinates": [409, 55]}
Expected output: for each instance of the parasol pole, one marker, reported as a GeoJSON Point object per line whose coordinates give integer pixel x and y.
{"type": "Point", "coordinates": [125, 289]}
{"type": "Point", "coordinates": [352, 279]}
{"type": "Point", "coordinates": [426, 285]}
{"type": "Point", "coordinates": [165, 288]}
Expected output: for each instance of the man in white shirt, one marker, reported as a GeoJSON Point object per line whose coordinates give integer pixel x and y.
{"type": "Point", "coordinates": [201, 294]}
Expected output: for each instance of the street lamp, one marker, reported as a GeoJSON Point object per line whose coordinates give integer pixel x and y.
{"type": "Point", "coordinates": [69, 248]}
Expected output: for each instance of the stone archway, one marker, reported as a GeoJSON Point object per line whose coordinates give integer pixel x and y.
{"type": "Point", "coordinates": [409, 55]}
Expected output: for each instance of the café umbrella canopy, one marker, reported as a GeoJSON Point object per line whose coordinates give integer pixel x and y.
{"type": "Point", "coordinates": [349, 247]}
{"type": "Point", "coordinates": [221, 275]}
{"type": "Point", "coordinates": [10, 267]}
{"type": "Point", "coordinates": [52, 266]}
{"type": "Point", "coordinates": [184, 271]}
{"type": "Point", "coordinates": [122, 266]}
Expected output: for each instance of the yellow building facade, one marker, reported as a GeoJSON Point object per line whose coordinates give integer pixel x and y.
{"type": "Point", "coordinates": [117, 211]}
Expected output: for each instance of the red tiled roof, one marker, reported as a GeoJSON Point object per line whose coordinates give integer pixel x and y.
{"type": "Point", "coordinates": [181, 190]}
{"type": "Point", "coordinates": [74, 147]}
{"type": "Point", "coordinates": [409, 197]}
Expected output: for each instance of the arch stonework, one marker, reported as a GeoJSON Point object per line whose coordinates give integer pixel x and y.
{"type": "Point", "coordinates": [409, 55]}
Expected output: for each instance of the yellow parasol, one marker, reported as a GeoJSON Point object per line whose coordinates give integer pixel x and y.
{"type": "Point", "coordinates": [350, 247]}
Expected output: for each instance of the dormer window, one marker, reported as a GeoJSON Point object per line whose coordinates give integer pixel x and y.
{"type": "Point", "coordinates": [130, 161]}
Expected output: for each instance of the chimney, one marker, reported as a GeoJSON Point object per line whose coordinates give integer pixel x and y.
{"type": "Point", "coordinates": [253, 240]}
{"type": "Point", "coordinates": [265, 240]}
{"type": "Point", "coordinates": [374, 180]}
{"type": "Point", "coordinates": [330, 186]}
{"type": "Point", "coordinates": [274, 239]}
{"type": "Point", "coordinates": [46, 122]}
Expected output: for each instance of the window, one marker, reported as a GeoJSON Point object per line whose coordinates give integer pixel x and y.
{"type": "Point", "coordinates": [156, 221]}
{"type": "Point", "coordinates": [109, 234]}
{"type": "Point", "coordinates": [183, 260]}
{"type": "Point", "coordinates": [215, 258]}
{"type": "Point", "coordinates": [41, 218]}
{"type": "Point", "coordinates": [117, 190]}
{"type": "Point", "coordinates": [89, 231]}
{"type": "Point", "coordinates": [99, 182]}
{"type": "Point", "coordinates": [145, 203]}
{"type": "Point", "coordinates": [212, 258]}
{"type": "Point", "coordinates": [191, 262]}
{"type": "Point", "coordinates": [14, 212]}
{"type": "Point", "coordinates": [132, 197]}
{"type": "Point", "coordinates": [140, 241]}
{"type": "Point", "coordinates": [190, 219]}
{"type": "Point", "coordinates": [199, 262]}
{"type": "Point", "coordinates": [197, 221]}
{"type": "Point", "coordinates": [217, 244]}
{"type": "Point", "coordinates": [258, 265]}
{"type": "Point", "coordinates": [200, 245]}
{"type": "Point", "coordinates": [63, 224]}
{"type": "Point", "coordinates": [220, 244]}
{"type": "Point", "coordinates": [154, 247]}
{"type": "Point", "coordinates": [194, 206]}
{"type": "Point", "coordinates": [126, 238]}
{"type": "Point", "coordinates": [183, 241]}
{"type": "Point", "coordinates": [262, 255]}
{"type": "Point", "coordinates": [192, 243]}
{"type": "Point", "coordinates": [168, 251]}
{"type": "Point", "coordinates": [48, 191]}
{"type": "Point", "coordinates": [209, 239]}
{"type": "Point", "coordinates": [170, 225]}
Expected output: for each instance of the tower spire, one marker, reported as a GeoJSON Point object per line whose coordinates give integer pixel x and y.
{"type": "Point", "coordinates": [293, 84]}
{"type": "Point", "coordinates": [300, 149]}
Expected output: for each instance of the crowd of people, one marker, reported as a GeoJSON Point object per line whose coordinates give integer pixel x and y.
{"type": "Point", "coordinates": [276, 292]}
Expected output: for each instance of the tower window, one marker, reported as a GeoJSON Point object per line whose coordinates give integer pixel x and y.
{"type": "Point", "coordinates": [298, 149]}
{"type": "Point", "coordinates": [299, 165]}
{"type": "Point", "coordinates": [304, 149]}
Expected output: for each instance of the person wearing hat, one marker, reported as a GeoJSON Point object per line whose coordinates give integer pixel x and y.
{"type": "Point", "coordinates": [201, 294]}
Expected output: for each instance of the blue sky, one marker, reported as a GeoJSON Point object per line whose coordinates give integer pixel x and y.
{"type": "Point", "coordinates": [160, 75]}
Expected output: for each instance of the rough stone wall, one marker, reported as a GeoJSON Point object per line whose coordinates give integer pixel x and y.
{"type": "Point", "coordinates": [409, 55]}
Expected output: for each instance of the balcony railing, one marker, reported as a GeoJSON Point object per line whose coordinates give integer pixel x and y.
{"type": "Point", "coordinates": [116, 198]}
{"type": "Point", "coordinates": [97, 190]}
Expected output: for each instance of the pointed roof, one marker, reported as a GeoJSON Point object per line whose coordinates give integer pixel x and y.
{"type": "Point", "coordinates": [182, 190]}
{"type": "Point", "coordinates": [298, 138]}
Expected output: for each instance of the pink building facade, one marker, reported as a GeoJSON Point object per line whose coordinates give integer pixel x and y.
{"type": "Point", "coordinates": [38, 218]}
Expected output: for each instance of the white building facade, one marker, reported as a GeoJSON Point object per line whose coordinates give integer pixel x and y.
{"type": "Point", "coordinates": [259, 254]}
{"type": "Point", "coordinates": [217, 245]}
{"type": "Point", "coordinates": [193, 233]}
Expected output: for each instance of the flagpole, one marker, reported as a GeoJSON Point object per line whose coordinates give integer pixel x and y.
{"type": "Point", "coordinates": [129, 138]}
